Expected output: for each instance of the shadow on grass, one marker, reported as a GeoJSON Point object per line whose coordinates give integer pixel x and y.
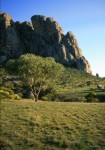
{"type": "Point", "coordinates": [4, 145]}
{"type": "Point", "coordinates": [95, 90]}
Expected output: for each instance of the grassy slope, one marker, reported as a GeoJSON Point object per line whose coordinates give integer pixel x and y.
{"type": "Point", "coordinates": [26, 125]}
{"type": "Point", "coordinates": [75, 84]}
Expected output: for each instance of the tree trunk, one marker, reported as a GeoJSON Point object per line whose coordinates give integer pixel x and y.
{"type": "Point", "coordinates": [36, 96]}
{"type": "Point", "coordinates": [36, 92]}
{"type": "Point", "coordinates": [34, 99]}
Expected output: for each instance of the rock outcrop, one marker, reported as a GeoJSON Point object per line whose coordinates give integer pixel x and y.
{"type": "Point", "coordinates": [43, 36]}
{"type": "Point", "coordinates": [10, 43]}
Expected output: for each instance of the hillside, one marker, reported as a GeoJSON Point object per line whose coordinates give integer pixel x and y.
{"type": "Point", "coordinates": [74, 85]}
{"type": "Point", "coordinates": [52, 125]}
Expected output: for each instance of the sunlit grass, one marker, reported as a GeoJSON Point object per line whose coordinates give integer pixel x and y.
{"type": "Point", "coordinates": [27, 125]}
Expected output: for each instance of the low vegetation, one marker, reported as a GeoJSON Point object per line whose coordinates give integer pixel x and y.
{"type": "Point", "coordinates": [36, 78]}
{"type": "Point", "coordinates": [27, 125]}
{"type": "Point", "coordinates": [53, 123]}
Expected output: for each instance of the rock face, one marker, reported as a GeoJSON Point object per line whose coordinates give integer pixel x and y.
{"type": "Point", "coordinates": [10, 43]}
{"type": "Point", "coordinates": [43, 37]}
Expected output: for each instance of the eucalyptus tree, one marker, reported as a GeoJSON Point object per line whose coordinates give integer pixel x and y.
{"type": "Point", "coordinates": [36, 71]}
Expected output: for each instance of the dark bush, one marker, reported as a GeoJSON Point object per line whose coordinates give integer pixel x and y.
{"type": "Point", "coordinates": [48, 94]}
{"type": "Point", "coordinates": [92, 97]}
{"type": "Point", "coordinates": [89, 83]}
{"type": "Point", "coordinates": [70, 97]}
{"type": "Point", "coordinates": [101, 97]}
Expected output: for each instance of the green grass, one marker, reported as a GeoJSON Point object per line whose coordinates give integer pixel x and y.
{"type": "Point", "coordinates": [26, 125]}
{"type": "Point", "coordinates": [73, 86]}
{"type": "Point", "coordinates": [76, 85]}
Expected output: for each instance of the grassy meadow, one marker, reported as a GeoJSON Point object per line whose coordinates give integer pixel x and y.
{"type": "Point", "coordinates": [26, 125]}
{"type": "Point", "coordinates": [62, 121]}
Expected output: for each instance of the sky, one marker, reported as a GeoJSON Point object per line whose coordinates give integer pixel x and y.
{"type": "Point", "coordinates": [85, 18]}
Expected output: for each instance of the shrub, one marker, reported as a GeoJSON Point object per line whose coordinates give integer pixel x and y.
{"type": "Point", "coordinates": [70, 97]}
{"type": "Point", "coordinates": [88, 83]}
{"type": "Point", "coordinates": [7, 89]}
{"type": "Point", "coordinates": [4, 94]}
{"type": "Point", "coordinates": [91, 97]}
{"type": "Point", "coordinates": [8, 84]}
{"type": "Point", "coordinates": [16, 97]}
{"type": "Point", "coordinates": [101, 97]}
{"type": "Point", "coordinates": [49, 97]}
{"type": "Point", "coordinates": [1, 91]}
{"type": "Point", "coordinates": [48, 94]}
{"type": "Point", "coordinates": [92, 100]}
{"type": "Point", "coordinates": [20, 95]}
{"type": "Point", "coordinates": [8, 93]}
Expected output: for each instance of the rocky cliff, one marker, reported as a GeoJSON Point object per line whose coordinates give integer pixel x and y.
{"type": "Point", "coordinates": [42, 36]}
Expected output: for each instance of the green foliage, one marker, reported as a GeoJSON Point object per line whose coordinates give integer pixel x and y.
{"type": "Point", "coordinates": [49, 94]}
{"type": "Point", "coordinates": [75, 85]}
{"type": "Point", "coordinates": [92, 94]}
{"type": "Point", "coordinates": [6, 93]}
{"type": "Point", "coordinates": [70, 97]}
{"type": "Point", "coordinates": [3, 72]}
{"type": "Point", "coordinates": [101, 97]}
{"type": "Point", "coordinates": [16, 97]}
{"type": "Point", "coordinates": [9, 84]}
{"type": "Point", "coordinates": [7, 89]}
{"type": "Point", "coordinates": [88, 83]}
{"type": "Point", "coordinates": [91, 97]}
{"type": "Point", "coordinates": [36, 71]}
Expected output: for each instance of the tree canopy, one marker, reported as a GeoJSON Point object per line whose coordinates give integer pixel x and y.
{"type": "Point", "coordinates": [36, 71]}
